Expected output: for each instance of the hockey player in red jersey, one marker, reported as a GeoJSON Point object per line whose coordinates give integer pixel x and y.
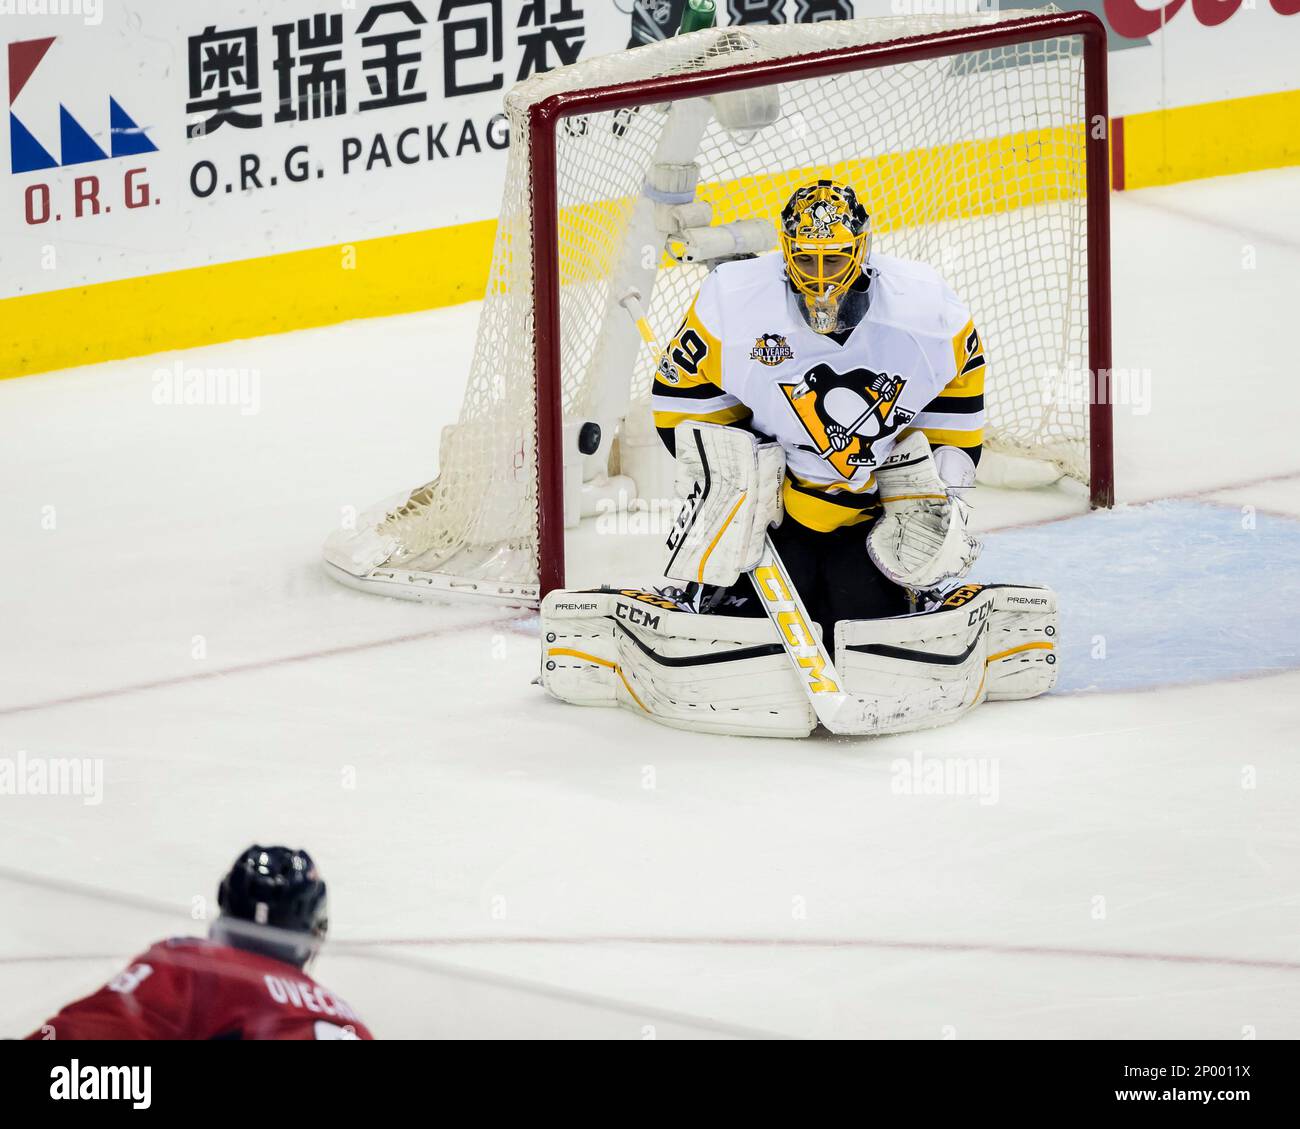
{"type": "Point", "coordinates": [246, 981]}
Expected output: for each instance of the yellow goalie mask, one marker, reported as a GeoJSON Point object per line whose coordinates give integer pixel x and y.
{"type": "Point", "coordinates": [825, 237]}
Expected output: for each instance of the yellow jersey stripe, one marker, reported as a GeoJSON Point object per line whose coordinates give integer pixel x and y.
{"type": "Point", "coordinates": [685, 380]}
{"type": "Point", "coordinates": [867, 487]}
{"type": "Point", "coordinates": [943, 437]}
{"type": "Point", "coordinates": [820, 514]}
{"type": "Point", "coordinates": [968, 363]}
{"type": "Point", "coordinates": [666, 421]}
{"type": "Point", "coordinates": [965, 384]}
{"type": "Point", "coordinates": [968, 389]}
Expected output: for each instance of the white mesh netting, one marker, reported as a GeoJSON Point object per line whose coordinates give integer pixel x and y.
{"type": "Point", "coordinates": [973, 162]}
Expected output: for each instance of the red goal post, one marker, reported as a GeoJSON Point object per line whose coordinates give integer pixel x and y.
{"type": "Point", "coordinates": [546, 116]}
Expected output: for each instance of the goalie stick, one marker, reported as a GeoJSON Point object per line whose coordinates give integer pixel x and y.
{"type": "Point", "coordinates": [838, 711]}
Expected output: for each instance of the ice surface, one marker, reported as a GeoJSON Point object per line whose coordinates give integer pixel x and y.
{"type": "Point", "coordinates": [1122, 860]}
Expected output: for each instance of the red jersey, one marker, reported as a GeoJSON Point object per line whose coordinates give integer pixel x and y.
{"type": "Point", "coordinates": [187, 988]}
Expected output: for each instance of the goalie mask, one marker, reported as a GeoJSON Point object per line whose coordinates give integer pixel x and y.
{"type": "Point", "coordinates": [825, 238]}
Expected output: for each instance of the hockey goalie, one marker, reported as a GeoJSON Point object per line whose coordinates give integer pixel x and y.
{"type": "Point", "coordinates": [824, 404]}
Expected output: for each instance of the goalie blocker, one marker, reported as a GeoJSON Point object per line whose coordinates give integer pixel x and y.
{"type": "Point", "coordinates": [717, 674]}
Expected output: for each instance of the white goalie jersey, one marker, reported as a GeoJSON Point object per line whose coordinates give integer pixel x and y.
{"type": "Point", "coordinates": [837, 404]}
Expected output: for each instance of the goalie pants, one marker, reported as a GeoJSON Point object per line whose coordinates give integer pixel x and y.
{"type": "Point", "coordinates": [833, 575]}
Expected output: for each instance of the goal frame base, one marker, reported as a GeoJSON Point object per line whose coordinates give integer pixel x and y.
{"type": "Point", "coordinates": [437, 587]}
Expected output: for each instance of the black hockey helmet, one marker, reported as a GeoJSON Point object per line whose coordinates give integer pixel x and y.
{"type": "Point", "coordinates": [271, 894]}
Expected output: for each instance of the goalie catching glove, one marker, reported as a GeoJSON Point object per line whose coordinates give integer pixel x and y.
{"type": "Point", "coordinates": [732, 485]}
{"type": "Point", "coordinates": [921, 539]}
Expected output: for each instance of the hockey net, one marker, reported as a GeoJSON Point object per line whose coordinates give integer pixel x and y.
{"type": "Point", "coordinates": [966, 137]}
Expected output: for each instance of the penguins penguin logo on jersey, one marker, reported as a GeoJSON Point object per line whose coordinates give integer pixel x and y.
{"type": "Point", "coordinates": [845, 413]}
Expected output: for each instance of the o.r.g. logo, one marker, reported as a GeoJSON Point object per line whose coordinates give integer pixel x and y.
{"type": "Point", "coordinates": [36, 148]}
{"type": "Point", "coordinates": [76, 145]}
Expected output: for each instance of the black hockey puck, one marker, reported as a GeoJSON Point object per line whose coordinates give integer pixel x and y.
{"type": "Point", "coordinates": [589, 438]}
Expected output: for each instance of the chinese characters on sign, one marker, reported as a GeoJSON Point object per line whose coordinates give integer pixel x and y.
{"type": "Point", "coordinates": [386, 52]}
{"type": "Point", "coordinates": [224, 79]}
{"type": "Point", "coordinates": [312, 82]}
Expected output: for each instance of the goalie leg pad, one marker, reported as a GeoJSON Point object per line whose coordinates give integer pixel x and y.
{"type": "Point", "coordinates": [710, 674]}
{"type": "Point", "coordinates": [981, 643]}
{"type": "Point", "coordinates": [1022, 642]}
